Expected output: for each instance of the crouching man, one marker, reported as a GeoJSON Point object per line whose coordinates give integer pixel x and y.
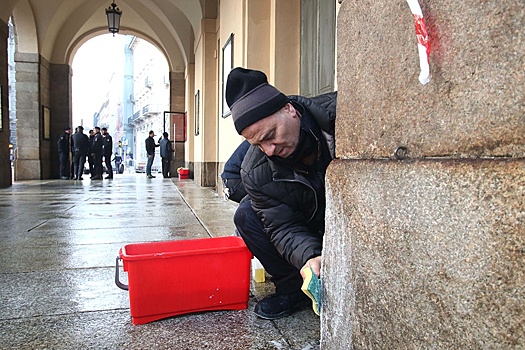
{"type": "Point", "coordinates": [282, 218]}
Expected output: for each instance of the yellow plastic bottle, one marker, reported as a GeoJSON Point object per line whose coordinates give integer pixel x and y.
{"type": "Point", "coordinates": [258, 271]}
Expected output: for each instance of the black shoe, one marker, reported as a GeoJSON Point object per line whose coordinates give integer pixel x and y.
{"type": "Point", "coordinates": [80, 178]}
{"type": "Point", "coordinates": [151, 176]}
{"type": "Point", "coordinates": [109, 177]}
{"type": "Point", "coordinates": [281, 305]}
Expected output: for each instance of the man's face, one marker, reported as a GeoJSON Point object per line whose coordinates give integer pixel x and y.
{"type": "Point", "coordinates": [276, 135]}
{"type": "Point", "coordinates": [104, 132]}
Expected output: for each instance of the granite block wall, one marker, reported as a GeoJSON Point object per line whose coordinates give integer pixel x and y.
{"type": "Point", "coordinates": [425, 254]}
{"type": "Point", "coordinates": [474, 103]}
{"type": "Point", "coordinates": [427, 251]}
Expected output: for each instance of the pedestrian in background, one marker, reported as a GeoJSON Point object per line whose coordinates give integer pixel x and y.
{"type": "Point", "coordinates": [98, 149]}
{"type": "Point", "coordinates": [91, 155]}
{"type": "Point", "coordinates": [80, 150]}
{"type": "Point", "coordinates": [118, 164]}
{"type": "Point", "coordinates": [72, 144]}
{"type": "Point", "coordinates": [166, 153]}
{"type": "Point", "coordinates": [108, 150]}
{"type": "Point", "coordinates": [63, 144]}
{"type": "Point", "coordinates": [150, 150]}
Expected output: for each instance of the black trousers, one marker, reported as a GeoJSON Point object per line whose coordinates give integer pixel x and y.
{"type": "Point", "coordinates": [166, 165]}
{"type": "Point", "coordinates": [287, 278]}
{"type": "Point", "coordinates": [97, 166]}
{"type": "Point", "coordinates": [109, 168]}
{"type": "Point", "coordinates": [78, 165]}
{"type": "Point", "coordinates": [63, 159]}
{"type": "Point", "coordinates": [91, 161]}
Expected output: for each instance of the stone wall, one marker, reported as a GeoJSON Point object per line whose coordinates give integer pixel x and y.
{"type": "Point", "coordinates": [427, 251]}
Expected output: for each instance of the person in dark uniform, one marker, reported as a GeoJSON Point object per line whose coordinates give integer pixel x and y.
{"type": "Point", "coordinates": [63, 144]}
{"type": "Point", "coordinates": [108, 150]}
{"type": "Point", "coordinates": [80, 150]}
{"type": "Point", "coordinates": [72, 144]}
{"type": "Point", "coordinates": [98, 149]}
{"type": "Point", "coordinates": [91, 155]}
{"type": "Point", "coordinates": [166, 153]}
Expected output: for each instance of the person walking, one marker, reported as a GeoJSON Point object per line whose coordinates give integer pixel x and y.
{"type": "Point", "coordinates": [108, 151]}
{"type": "Point", "coordinates": [80, 151]}
{"type": "Point", "coordinates": [166, 153]}
{"type": "Point", "coordinates": [64, 145]}
{"type": "Point", "coordinates": [150, 150]}
{"type": "Point", "coordinates": [98, 149]}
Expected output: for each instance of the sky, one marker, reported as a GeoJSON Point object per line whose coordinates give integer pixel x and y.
{"type": "Point", "coordinates": [93, 65]}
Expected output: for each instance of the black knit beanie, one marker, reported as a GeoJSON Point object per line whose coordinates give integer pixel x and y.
{"type": "Point", "coordinates": [251, 98]}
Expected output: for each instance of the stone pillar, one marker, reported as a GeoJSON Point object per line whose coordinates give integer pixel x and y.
{"type": "Point", "coordinates": [205, 171]}
{"type": "Point", "coordinates": [5, 162]}
{"type": "Point", "coordinates": [189, 92]}
{"type": "Point", "coordinates": [28, 117]}
{"type": "Point", "coordinates": [60, 97]}
{"type": "Point", "coordinates": [427, 251]}
{"type": "Point", "coordinates": [177, 104]}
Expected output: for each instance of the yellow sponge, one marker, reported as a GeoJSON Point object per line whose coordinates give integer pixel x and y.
{"type": "Point", "coordinates": [312, 287]}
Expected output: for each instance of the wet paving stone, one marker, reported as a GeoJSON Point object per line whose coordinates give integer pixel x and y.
{"type": "Point", "coordinates": [58, 245]}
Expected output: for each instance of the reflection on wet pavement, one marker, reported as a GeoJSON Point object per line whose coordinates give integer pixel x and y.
{"type": "Point", "coordinates": [58, 244]}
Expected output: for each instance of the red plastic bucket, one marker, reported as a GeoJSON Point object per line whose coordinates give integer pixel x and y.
{"type": "Point", "coordinates": [178, 277]}
{"type": "Point", "coordinates": [184, 173]}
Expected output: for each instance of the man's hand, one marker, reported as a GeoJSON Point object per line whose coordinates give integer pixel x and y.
{"type": "Point", "coordinates": [315, 264]}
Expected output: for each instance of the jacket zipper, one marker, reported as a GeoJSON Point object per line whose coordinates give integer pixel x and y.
{"type": "Point", "coordinates": [307, 185]}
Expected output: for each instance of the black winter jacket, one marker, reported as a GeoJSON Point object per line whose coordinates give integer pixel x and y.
{"type": "Point", "coordinates": [107, 143]}
{"type": "Point", "coordinates": [150, 146]}
{"type": "Point", "coordinates": [289, 203]}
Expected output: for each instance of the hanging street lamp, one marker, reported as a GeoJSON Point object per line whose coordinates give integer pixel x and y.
{"type": "Point", "coordinates": [113, 13]}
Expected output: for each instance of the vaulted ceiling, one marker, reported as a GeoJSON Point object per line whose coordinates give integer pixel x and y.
{"type": "Point", "coordinates": [56, 29]}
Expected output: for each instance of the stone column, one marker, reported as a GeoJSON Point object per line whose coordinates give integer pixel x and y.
{"type": "Point", "coordinates": [60, 98]}
{"type": "Point", "coordinates": [177, 98]}
{"type": "Point", "coordinates": [28, 117]}
{"type": "Point", "coordinates": [426, 250]}
{"type": "Point", "coordinates": [5, 162]}
{"type": "Point", "coordinates": [205, 171]}
{"type": "Point", "coordinates": [189, 92]}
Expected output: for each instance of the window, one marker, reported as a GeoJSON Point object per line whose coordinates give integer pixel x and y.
{"type": "Point", "coordinates": [197, 120]}
{"type": "Point", "coordinates": [317, 47]}
{"type": "Point", "coordinates": [227, 66]}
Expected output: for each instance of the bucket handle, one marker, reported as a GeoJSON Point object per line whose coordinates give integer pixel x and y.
{"type": "Point", "coordinates": [117, 279]}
